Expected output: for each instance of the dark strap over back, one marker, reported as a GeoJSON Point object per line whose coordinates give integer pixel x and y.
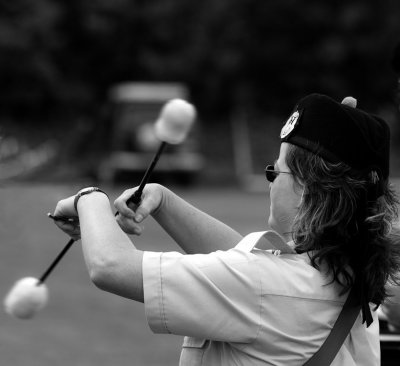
{"type": "Point", "coordinates": [329, 349]}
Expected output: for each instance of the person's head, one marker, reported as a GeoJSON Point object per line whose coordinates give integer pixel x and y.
{"type": "Point", "coordinates": [338, 204]}
{"type": "Point", "coordinates": [340, 135]}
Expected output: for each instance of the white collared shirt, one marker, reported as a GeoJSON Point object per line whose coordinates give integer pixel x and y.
{"type": "Point", "coordinates": [249, 307]}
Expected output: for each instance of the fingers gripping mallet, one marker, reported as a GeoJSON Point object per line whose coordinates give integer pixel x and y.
{"type": "Point", "coordinates": [172, 126]}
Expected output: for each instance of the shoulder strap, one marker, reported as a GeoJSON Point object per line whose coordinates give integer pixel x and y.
{"type": "Point", "coordinates": [265, 240]}
{"type": "Point", "coordinates": [348, 315]}
{"type": "Point", "coordinates": [326, 354]}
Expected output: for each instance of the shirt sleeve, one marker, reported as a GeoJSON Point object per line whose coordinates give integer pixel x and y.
{"type": "Point", "coordinates": [214, 296]}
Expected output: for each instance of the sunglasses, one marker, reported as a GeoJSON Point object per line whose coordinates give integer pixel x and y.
{"type": "Point", "coordinates": [271, 173]}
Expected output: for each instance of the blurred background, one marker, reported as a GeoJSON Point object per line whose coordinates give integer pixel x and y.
{"type": "Point", "coordinates": [81, 83]}
{"type": "Point", "coordinates": [242, 63]}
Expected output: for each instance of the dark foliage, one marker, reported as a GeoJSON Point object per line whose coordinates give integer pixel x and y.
{"type": "Point", "coordinates": [58, 58]}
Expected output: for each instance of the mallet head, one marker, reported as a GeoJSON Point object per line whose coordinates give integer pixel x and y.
{"type": "Point", "coordinates": [175, 120]}
{"type": "Point", "coordinates": [26, 298]}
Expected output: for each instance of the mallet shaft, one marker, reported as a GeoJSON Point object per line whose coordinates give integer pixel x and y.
{"type": "Point", "coordinates": [137, 195]}
{"type": "Point", "coordinates": [56, 260]}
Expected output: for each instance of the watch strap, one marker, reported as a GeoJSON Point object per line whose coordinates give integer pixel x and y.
{"type": "Point", "coordinates": [83, 192]}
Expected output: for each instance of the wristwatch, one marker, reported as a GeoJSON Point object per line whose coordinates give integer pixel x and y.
{"type": "Point", "coordinates": [84, 191]}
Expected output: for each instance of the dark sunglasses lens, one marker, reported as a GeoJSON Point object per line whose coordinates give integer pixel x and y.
{"type": "Point", "coordinates": [270, 173]}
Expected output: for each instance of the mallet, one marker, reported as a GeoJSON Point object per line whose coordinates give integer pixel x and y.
{"type": "Point", "coordinates": [172, 126]}
{"type": "Point", "coordinates": [29, 295]}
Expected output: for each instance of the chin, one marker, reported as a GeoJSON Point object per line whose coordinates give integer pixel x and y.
{"type": "Point", "coordinates": [272, 224]}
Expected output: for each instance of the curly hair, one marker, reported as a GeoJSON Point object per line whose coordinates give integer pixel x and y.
{"type": "Point", "coordinates": [340, 226]}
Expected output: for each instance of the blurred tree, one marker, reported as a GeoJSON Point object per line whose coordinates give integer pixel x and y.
{"type": "Point", "coordinates": [58, 58]}
{"type": "Point", "coordinates": [27, 72]}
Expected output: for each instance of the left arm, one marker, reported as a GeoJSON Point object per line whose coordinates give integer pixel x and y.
{"type": "Point", "coordinates": [192, 229]}
{"type": "Point", "coordinates": [113, 262]}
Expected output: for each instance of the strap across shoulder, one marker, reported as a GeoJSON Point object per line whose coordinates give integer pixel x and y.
{"type": "Point", "coordinates": [265, 240]}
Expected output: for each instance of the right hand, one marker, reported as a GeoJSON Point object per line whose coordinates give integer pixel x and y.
{"type": "Point", "coordinates": [65, 210]}
{"type": "Point", "coordinates": [130, 216]}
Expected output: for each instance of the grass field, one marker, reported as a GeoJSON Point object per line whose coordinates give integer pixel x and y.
{"type": "Point", "coordinates": [83, 326]}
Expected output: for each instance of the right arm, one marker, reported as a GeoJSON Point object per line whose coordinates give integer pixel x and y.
{"type": "Point", "coordinates": [192, 229]}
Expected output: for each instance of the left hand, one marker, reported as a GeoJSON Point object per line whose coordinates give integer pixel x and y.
{"type": "Point", "coordinates": [131, 216]}
{"type": "Point", "coordinates": [67, 218]}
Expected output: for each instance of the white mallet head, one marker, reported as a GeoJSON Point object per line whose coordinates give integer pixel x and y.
{"type": "Point", "coordinates": [26, 298]}
{"type": "Point", "coordinates": [176, 118]}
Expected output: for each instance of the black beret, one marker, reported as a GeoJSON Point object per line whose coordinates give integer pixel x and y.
{"type": "Point", "coordinates": [340, 133]}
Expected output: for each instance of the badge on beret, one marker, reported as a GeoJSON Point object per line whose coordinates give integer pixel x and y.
{"type": "Point", "coordinates": [290, 124]}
